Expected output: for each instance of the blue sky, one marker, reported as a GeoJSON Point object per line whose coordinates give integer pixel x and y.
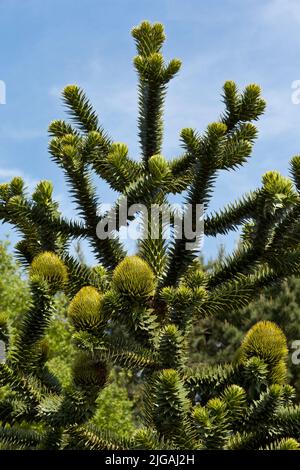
{"type": "Point", "coordinates": [47, 44]}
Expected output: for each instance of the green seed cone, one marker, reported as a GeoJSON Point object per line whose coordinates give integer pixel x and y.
{"type": "Point", "coordinates": [133, 278]}
{"type": "Point", "coordinates": [85, 309]}
{"type": "Point", "coordinates": [47, 266]}
{"type": "Point", "coordinates": [266, 341]}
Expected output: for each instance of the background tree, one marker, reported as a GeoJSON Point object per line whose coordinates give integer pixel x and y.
{"type": "Point", "coordinates": [136, 312]}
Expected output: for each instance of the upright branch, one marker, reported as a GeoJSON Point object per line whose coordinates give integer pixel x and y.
{"type": "Point", "coordinates": [154, 75]}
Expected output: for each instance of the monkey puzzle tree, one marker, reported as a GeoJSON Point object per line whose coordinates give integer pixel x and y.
{"type": "Point", "coordinates": [136, 312]}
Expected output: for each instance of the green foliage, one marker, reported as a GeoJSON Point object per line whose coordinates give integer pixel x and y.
{"type": "Point", "coordinates": [137, 312]}
{"type": "Point", "coordinates": [89, 372]}
{"type": "Point", "coordinates": [158, 166]}
{"type": "Point", "coordinates": [168, 408]}
{"type": "Point", "coordinates": [114, 411]}
{"type": "Point", "coordinates": [153, 74]}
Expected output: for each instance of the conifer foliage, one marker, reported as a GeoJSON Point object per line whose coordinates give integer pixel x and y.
{"type": "Point", "coordinates": [136, 312]}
